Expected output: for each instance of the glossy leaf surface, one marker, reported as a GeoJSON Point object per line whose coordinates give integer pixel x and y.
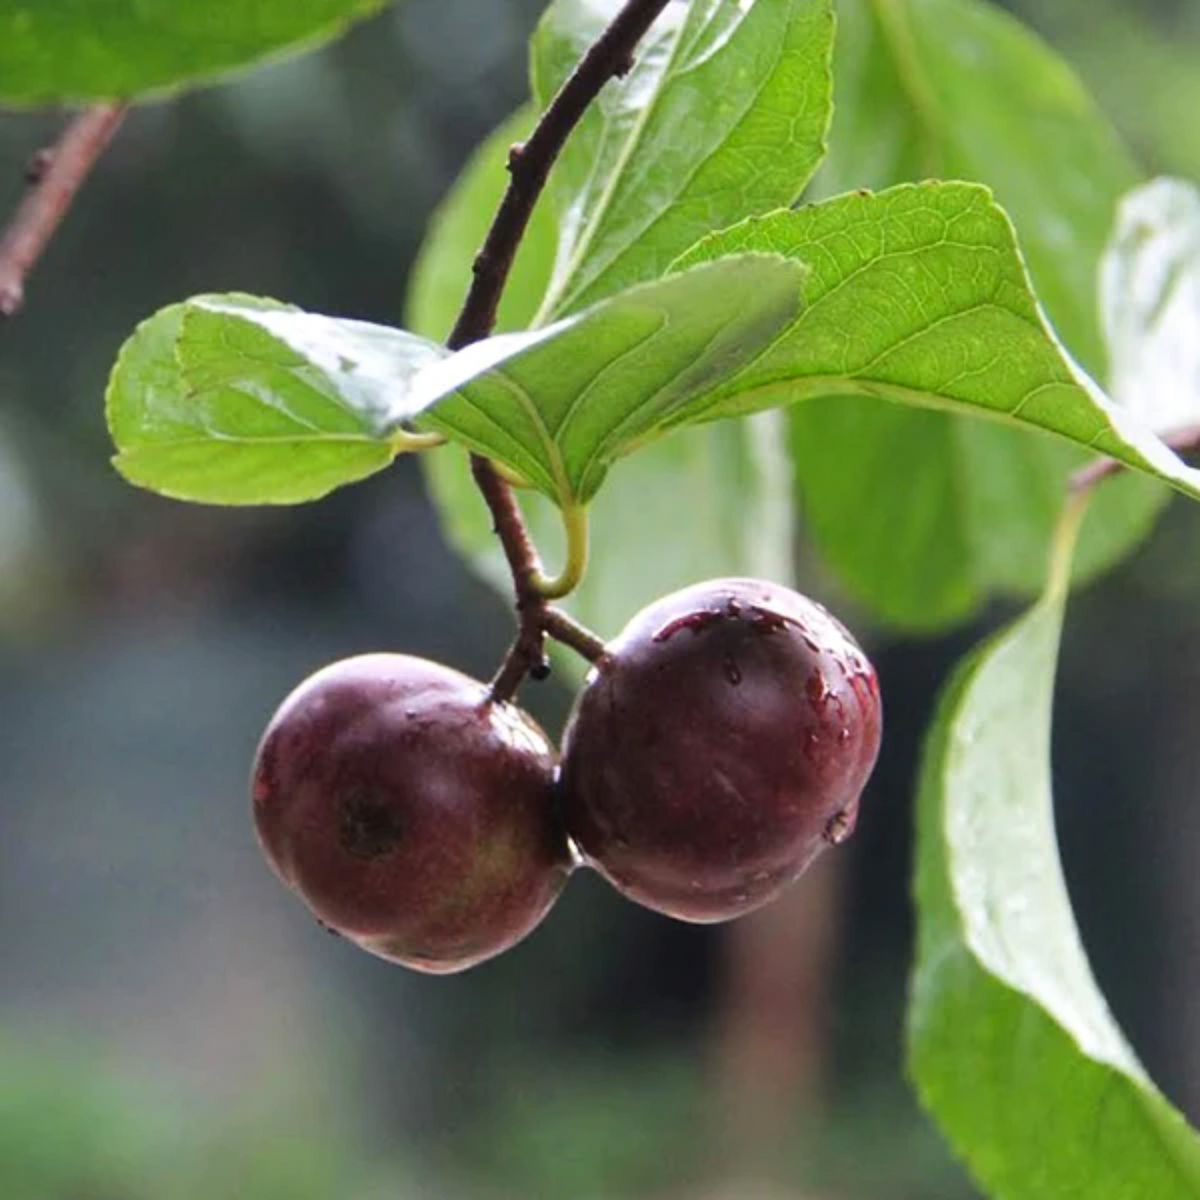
{"type": "Point", "coordinates": [723, 116]}
{"type": "Point", "coordinates": [1012, 1047]}
{"type": "Point", "coordinates": [559, 405]}
{"type": "Point", "coordinates": [1150, 301]}
{"type": "Point", "coordinates": [234, 400]}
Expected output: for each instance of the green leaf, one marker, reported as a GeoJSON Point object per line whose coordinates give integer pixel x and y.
{"type": "Point", "coordinates": [234, 400]}
{"type": "Point", "coordinates": [442, 274]}
{"type": "Point", "coordinates": [723, 115]}
{"type": "Point", "coordinates": [921, 515]}
{"type": "Point", "coordinates": [56, 50]}
{"type": "Point", "coordinates": [708, 502]}
{"type": "Point", "coordinates": [959, 89]}
{"type": "Point", "coordinates": [1150, 302]}
{"type": "Point", "coordinates": [918, 294]}
{"type": "Point", "coordinates": [560, 405]}
{"type": "Point", "coordinates": [1012, 1047]}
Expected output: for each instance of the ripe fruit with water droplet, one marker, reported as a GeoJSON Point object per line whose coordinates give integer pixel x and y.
{"type": "Point", "coordinates": [412, 813]}
{"type": "Point", "coordinates": [719, 745]}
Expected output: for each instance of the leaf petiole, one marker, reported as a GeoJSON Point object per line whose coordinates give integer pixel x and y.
{"type": "Point", "coordinates": [555, 587]}
{"type": "Point", "coordinates": [405, 441]}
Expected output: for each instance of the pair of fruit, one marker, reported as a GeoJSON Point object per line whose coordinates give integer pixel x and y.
{"type": "Point", "coordinates": [719, 744]}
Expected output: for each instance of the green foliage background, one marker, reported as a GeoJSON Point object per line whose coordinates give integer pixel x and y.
{"type": "Point", "coordinates": [285, 131]}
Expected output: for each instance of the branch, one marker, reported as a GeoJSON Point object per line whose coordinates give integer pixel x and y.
{"type": "Point", "coordinates": [55, 174]}
{"type": "Point", "coordinates": [610, 56]}
{"type": "Point", "coordinates": [1183, 441]}
{"type": "Point", "coordinates": [529, 166]}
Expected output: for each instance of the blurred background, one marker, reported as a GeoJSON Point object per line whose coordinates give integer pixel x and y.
{"type": "Point", "coordinates": [172, 1025]}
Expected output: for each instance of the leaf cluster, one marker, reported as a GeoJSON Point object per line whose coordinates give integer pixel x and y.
{"type": "Point", "coordinates": [715, 331]}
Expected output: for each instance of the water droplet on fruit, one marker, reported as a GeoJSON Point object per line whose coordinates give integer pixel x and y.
{"type": "Point", "coordinates": [732, 671]}
{"type": "Point", "coordinates": [840, 827]}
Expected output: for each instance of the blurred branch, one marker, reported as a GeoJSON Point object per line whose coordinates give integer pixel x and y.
{"type": "Point", "coordinates": [774, 1022]}
{"type": "Point", "coordinates": [1183, 441]}
{"type": "Point", "coordinates": [609, 57]}
{"type": "Point", "coordinates": [55, 174]}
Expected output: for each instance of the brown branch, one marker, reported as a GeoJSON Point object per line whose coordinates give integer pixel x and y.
{"type": "Point", "coordinates": [565, 629]}
{"type": "Point", "coordinates": [55, 174]}
{"type": "Point", "coordinates": [527, 655]}
{"type": "Point", "coordinates": [1182, 441]}
{"type": "Point", "coordinates": [611, 55]}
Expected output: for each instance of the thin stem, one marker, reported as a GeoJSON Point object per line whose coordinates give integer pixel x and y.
{"type": "Point", "coordinates": [509, 526]}
{"type": "Point", "coordinates": [610, 56]}
{"type": "Point", "coordinates": [1183, 441]}
{"type": "Point", "coordinates": [55, 176]}
{"type": "Point", "coordinates": [570, 632]}
{"type": "Point", "coordinates": [1066, 534]}
{"type": "Point", "coordinates": [405, 441]}
{"type": "Point", "coordinates": [527, 655]}
{"type": "Point", "coordinates": [575, 525]}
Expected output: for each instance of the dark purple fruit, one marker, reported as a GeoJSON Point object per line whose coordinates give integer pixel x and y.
{"type": "Point", "coordinates": [718, 746]}
{"type": "Point", "coordinates": [414, 815]}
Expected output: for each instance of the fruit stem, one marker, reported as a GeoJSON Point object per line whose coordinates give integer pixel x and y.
{"type": "Point", "coordinates": [575, 526]}
{"type": "Point", "coordinates": [527, 655]}
{"type": "Point", "coordinates": [570, 632]}
{"type": "Point", "coordinates": [610, 56]}
{"type": "Point", "coordinates": [55, 175]}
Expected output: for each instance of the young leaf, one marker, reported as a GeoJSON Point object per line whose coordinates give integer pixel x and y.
{"type": "Point", "coordinates": [1150, 303]}
{"type": "Point", "coordinates": [1011, 1045]}
{"type": "Point", "coordinates": [234, 400]}
{"type": "Point", "coordinates": [723, 115]}
{"type": "Point", "coordinates": [560, 405]}
{"type": "Point", "coordinates": [63, 50]}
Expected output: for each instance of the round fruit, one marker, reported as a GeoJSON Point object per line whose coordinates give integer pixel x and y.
{"type": "Point", "coordinates": [718, 746]}
{"type": "Point", "coordinates": [411, 812]}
